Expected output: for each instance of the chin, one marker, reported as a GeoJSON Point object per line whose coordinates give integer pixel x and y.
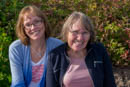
{"type": "Point", "coordinates": [79, 49]}
{"type": "Point", "coordinates": [76, 50]}
{"type": "Point", "coordinates": [35, 38]}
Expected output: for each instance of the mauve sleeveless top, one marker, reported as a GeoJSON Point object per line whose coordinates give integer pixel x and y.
{"type": "Point", "coordinates": [77, 74]}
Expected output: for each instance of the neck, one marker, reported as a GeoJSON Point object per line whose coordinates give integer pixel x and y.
{"type": "Point", "coordinates": [38, 45]}
{"type": "Point", "coordinates": [77, 54]}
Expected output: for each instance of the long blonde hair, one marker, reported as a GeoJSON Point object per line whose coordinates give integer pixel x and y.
{"type": "Point", "coordinates": [20, 32]}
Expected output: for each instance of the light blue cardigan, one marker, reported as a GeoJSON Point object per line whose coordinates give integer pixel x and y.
{"type": "Point", "coordinates": [20, 62]}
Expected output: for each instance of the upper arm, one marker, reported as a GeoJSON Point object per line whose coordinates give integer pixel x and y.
{"type": "Point", "coordinates": [108, 73]}
{"type": "Point", "coordinates": [50, 80]}
{"type": "Point", "coordinates": [16, 67]}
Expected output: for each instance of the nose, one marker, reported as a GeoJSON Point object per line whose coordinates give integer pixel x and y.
{"type": "Point", "coordinates": [32, 27]}
{"type": "Point", "coordinates": [80, 36]}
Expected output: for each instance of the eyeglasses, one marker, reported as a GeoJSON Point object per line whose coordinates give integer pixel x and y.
{"type": "Point", "coordinates": [35, 24]}
{"type": "Point", "coordinates": [76, 32]}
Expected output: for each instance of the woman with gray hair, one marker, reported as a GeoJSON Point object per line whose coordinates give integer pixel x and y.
{"type": "Point", "coordinates": [81, 61]}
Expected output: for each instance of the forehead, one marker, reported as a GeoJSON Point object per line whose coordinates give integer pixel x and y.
{"type": "Point", "coordinates": [30, 17]}
{"type": "Point", "coordinates": [78, 26]}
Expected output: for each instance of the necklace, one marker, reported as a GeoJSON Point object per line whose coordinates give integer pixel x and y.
{"type": "Point", "coordinates": [39, 54]}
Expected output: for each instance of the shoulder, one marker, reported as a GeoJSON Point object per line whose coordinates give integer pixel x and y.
{"type": "Point", "coordinates": [99, 47]}
{"type": "Point", "coordinates": [59, 50]}
{"type": "Point", "coordinates": [53, 43]}
{"type": "Point", "coordinates": [16, 51]}
{"type": "Point", "coordinates": [53, 40]}
{"type": "Point", "coordinates": [18, 47]}
{"type": "Point", "coordinates": [57, 53]}
{"type": "Point", "coordinates": [15, 44]}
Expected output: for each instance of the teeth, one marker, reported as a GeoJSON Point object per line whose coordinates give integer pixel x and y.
{"type": "Point", "coordinates": [78, 43]}
{"type": "Point", "coordinates": [35, 32]}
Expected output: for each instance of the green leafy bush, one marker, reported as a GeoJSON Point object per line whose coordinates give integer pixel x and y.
{"type": "Point", "coordinates": [8, 13]}
{"type": "Point", "coordinates": [110, 17]}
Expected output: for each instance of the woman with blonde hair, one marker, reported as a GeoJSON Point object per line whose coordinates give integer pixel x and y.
{"type": "Point", "coordinates": [28, 56]}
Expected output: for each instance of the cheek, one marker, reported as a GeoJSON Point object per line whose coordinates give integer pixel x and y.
{"type": "Point", "coordinates": [87, 38]}
{"type": "Point", "coordinates": [41, 27]}
{"type": "Point", "coordinates": [26, 32]}
{"type": "Point", "coordinates": [70, 38]}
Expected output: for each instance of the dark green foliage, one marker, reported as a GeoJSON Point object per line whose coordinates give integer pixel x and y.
{"type": "Point", "coordinates": [110, 17]}
{"type": "Point", "coordinates": [8, 14]}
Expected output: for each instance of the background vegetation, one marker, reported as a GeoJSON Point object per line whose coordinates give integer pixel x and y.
{"type": "Point", "coordinates": [110, 17]}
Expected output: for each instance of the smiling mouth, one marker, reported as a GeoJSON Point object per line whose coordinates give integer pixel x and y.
{"type": "Point", "coordinates": [35, 32]}
{"type": "Point", "coordinates": [78, 43]}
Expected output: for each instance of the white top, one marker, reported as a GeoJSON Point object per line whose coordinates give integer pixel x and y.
{"type": "Point", "coordinates": [37, 72]}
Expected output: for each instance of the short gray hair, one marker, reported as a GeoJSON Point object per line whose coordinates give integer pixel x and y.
{"type": "Point", "coordinates": [85, 20]}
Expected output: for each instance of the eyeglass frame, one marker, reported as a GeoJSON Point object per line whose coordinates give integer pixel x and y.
{"type": "Point", "coordinates": [76, 32]}
{"type": "Point", "coordinates": [35, 24]}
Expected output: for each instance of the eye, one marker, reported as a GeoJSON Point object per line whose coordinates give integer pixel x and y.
{"type": "Point", "coordinates": [75, 32]}
{"type": "Point", "coordinates": [37, 22]}
{"type": "Point", "coordinates": [27, 25]}
{"type": "Point", "coordinates": [86, 32]}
